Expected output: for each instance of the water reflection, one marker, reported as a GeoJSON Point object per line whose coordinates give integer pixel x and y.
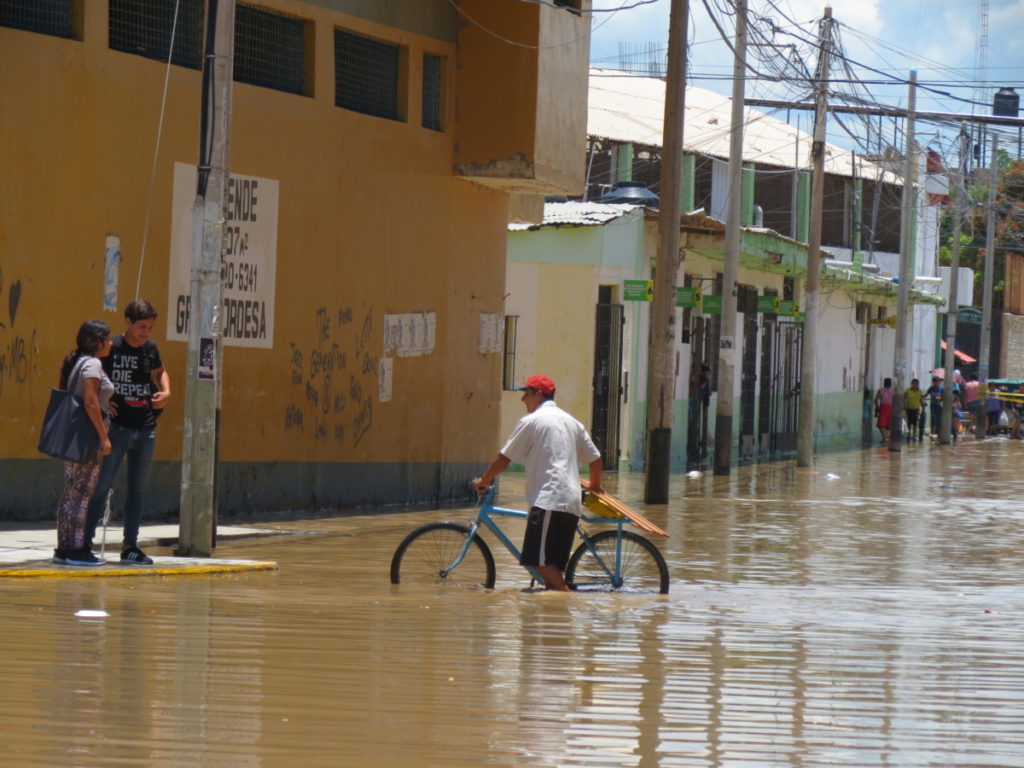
{"type": "Point", "coordinates": [867, 612]}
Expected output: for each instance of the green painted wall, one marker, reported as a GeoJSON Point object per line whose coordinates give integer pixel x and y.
{"type": "Point", "coordinates": [803, 206]}
{"type": "Point", "coordinates": [838, 416]}
{"type": "Point", "coordinates": [624, 162]}
{"type": "Point", "coordinates": [688, 184]}
{"type": "Point", "coordinates": [747, 195]}
{"type": "Point", "coordinates": [839, 419]}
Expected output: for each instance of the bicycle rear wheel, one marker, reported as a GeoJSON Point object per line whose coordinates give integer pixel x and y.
{"type": "Point", "coordinates": [643, 569]}
{"type": "Point", "coordinates": [425, 554]}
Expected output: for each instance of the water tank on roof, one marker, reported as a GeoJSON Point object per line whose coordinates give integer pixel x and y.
{"type": "Point", "coordinates": [1006, 103]}
{"type": "Point", "coordinates": [635, 192]}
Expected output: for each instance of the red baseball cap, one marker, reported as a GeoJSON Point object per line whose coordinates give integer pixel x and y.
{"type": "Point", "coordinates": [542, 384]}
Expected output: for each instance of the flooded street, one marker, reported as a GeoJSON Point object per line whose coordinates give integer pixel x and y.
{"type": "Point", "coordinates": [867, 613]}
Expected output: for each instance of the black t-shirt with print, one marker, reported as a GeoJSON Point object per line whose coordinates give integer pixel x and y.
{"type": "Point", "coordinates": [131, 370]}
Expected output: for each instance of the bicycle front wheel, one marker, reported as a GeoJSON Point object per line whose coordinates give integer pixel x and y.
{"type": "Point", "coordinates": [641, 569]}
{"type": "Point", "coordinates": [426, 555]}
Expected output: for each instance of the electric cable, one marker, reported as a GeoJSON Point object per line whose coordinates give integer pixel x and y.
{"type": "Point", "coordinates": [156, 149]}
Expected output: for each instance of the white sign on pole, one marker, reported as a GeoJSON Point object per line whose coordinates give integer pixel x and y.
{"type": "Point", "coordinates": [248, 261]}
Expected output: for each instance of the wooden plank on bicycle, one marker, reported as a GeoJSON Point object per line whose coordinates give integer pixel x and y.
{"type": "Point", "coordinates": [606, 505]}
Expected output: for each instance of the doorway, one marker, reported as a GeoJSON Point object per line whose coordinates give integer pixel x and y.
{"type": "Point", "coordinates": [609, 324]}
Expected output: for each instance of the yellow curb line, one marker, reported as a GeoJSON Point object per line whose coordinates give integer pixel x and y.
{"type": "Point", "coordinates": [178, 570]}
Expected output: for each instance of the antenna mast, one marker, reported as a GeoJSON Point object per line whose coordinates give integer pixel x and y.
{"type": "Point", "coordinates": [981, 90]}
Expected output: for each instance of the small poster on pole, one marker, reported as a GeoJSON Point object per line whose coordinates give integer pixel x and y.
{"type": "Point", "coordinates": [207, 359]}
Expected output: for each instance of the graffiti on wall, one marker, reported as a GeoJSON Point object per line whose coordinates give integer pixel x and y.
{"type": "Point", "coordinates": [333, 378]}
{"type": "Point", "coordinates": [17, 346]}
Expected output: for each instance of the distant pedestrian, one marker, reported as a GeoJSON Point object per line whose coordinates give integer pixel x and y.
{"type": "Point", "coordinates": [934, 394]}
{"type": "Point", "coordinates": [913, 398]}
{"type": "Point", "coordinates": [972, 402]}
{"type": "Point", "coordinates": [83, 373]}
{"type": "Point", "coordinates": [883, 409]}
{"type": "Point", "coordinates": [993, 410]}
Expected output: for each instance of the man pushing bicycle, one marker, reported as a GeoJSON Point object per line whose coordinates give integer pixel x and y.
{"type": "Point", "coordinates": [550, 444]}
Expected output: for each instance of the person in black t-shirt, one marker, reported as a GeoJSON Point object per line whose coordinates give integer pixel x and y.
{"type": "Point", "coordinates": [142, 387]}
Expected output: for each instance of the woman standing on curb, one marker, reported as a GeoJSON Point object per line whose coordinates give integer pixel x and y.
{"type": "Point", "coordinates": [83, 373]}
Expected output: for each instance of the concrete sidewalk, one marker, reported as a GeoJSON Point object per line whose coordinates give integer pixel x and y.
{"type": "Point", "coordinates": [29, 552]}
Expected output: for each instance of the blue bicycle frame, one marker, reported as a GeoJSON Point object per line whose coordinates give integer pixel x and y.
{"type": "Point", "coordinates": [487, 509]}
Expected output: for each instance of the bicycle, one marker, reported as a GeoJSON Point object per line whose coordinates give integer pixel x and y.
{"type": "Point", "coordinates": [455, 554]}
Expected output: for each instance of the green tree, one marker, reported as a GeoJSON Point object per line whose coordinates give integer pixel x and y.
{"type": "Point", "coordinates": [1009, 235]}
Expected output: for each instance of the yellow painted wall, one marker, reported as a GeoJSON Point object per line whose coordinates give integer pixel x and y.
{"type": "Point", "coordinates": [371, 221]}
{"type": "Point", "coordinates": [522, 96]}
{"type": "Point", "coordinates": [556, 305]}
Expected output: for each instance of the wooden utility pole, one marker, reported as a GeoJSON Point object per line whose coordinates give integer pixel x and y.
{"type": "Point", "coordinates": [953, 307]}
{"type": "Point", "coordinates": [986, 295]}
{"type": "Point", "coordinates": [661, 381]}
{"type": "Point", "coordinates": [903, 317]}
{"type": "Point", "coordinates": [731, 265]}
{"type": "Point", "coordinates": [203, 371]}
{"type": "Point", "coordinates": [809, 348]}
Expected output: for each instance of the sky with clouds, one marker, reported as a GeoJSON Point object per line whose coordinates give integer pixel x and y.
{"type": "Point", "coordinates": [936, 38]}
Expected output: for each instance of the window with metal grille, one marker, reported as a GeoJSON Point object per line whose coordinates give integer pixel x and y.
{"type": "Point", "coordinates": [144, 27]}
{"type": "Point", "coordinates": [270, 49]}
{"type": "Point", "coordinates": [433, 93]}
{"type": "Point", "coordinates": [367, 75]}
{"type": "Point", "coordinates": [573, 6]}
{"type": "Point", "coordinates": [863, 312]}
{"type": "Point", "coordinates": [47, 17]}
{"type": "Point", "coordinates": [508, 370]}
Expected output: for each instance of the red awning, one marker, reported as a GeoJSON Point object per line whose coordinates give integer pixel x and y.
{"type": "Point", "coordinates": [961, 356]}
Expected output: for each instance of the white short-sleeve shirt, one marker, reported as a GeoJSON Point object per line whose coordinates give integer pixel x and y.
{"type": "Point", "coordinates": [551, 445]}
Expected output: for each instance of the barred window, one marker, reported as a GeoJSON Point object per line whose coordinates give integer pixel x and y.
{"type": "Point", "coordinates": [508, 369]}
{"type": "Point", "coordinates": [47, 17]}
{"type": "Point", "coordinates": [433, 93]}
{"type": "Point", "coordinates": [367, 75]}
{"type": "Point", "coordinates": [143, 27]}
{"type": "Point", "coordinates": [270, 49]}
{"type": "Point", "coordinates": [863, 312]}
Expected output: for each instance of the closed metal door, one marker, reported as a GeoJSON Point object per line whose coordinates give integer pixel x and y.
{"type": "Point", "coordinates": [608, 383]}
{"type": "Point", "coordinates": [786, 387]}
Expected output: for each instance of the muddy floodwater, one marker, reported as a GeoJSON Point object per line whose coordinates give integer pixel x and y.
{"type": "Point", "coordinates": [867, 613]}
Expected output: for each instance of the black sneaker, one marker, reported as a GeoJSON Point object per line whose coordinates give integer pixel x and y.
{"type": "Point", "coordinates": [135, 556]}
{"type": "Point", "coordinates": [60, 557]}
{"type": "Point", "coordinates": [83, 557]}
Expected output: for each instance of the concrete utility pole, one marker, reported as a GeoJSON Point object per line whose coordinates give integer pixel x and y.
{"type": "Point", "coordinates": [202, 385]}
{"type": "Point", "coordinates": [731, 266]}
{"type": "Point", "coordinates": [903, 317]}
{"type": "Point", "coordinates": [661, 382]}
{"type": "Point", "coordinates": [953, 310]}
{"type": "Point", "coordinates": [986, 296]}
{"type": "Point", "coordinates": [809, 349]}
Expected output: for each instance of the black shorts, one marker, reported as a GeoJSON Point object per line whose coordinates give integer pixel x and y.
{"type": "Point", "coordinates": [549, 538]}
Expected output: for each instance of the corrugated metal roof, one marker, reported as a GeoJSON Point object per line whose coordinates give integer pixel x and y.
{"type": "Point", "coordinates": [628, 108]}
{"type": "Point", "coordinates": [576, 214]}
